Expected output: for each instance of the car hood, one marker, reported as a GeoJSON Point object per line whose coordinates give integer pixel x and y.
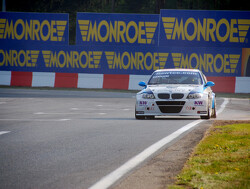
{"type": "Point", "coordinates": [175, 88]}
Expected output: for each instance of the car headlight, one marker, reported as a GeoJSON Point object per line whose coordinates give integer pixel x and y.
{"type": "Point", "coordinates": [148, 96]}
{"type": "Point", "coordinates": [194, 95]}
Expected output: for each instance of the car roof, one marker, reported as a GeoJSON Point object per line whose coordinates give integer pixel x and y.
{"type": "Point", "coordinates": [192, 70]}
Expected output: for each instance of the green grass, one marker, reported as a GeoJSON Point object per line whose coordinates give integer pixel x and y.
{"type": "Point", "coordinates": [221, 160]}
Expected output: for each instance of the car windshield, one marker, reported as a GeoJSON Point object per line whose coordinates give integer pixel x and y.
{"type": "Point", "coordinates": [175, 77]}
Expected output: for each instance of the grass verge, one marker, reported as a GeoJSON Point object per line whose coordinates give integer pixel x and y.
{"type": "Point", "coordinates": [221, 160]}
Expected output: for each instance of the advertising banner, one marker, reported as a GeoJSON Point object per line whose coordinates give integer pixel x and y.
{"type": "Point", "coordinates": [24, 29]}
{"type": "Point", "coordinates": [129, 60]}
{"type": "Point", "coordinates": [198, 28]}
{"type": "Point", "coordinates": [245, 67]}
{"type": "Point", "coordinates": [117, 29]}
{"type": "Point", "coordinates": [215, 42]}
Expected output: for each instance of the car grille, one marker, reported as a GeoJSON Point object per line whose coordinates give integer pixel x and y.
{"type": "Point", "coordinates": [177, 96]}
{"type": "Point", "coordinates": [163, 96]}
{"type": "Point", "coordinates": [167, 95]}
{"type": "Point", "coordinates": [170, 106]}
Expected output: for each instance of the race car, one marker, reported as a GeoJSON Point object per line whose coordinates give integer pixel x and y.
{"type": "Point", "coordinates": [176, 92]}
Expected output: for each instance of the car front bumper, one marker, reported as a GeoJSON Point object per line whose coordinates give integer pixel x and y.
{"type": "Point", "coordinates": [181, 107]}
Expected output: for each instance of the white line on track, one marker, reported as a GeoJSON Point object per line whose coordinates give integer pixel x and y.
{"type": "Point", "coordinates": [102, 113]}
{"type": "Point", "coordinates": [64, 119]}
{"type": "Point", "coordinates": [54, 113]}
{"type": "Point", "coordinates": [76, 113]}
{"type": "Point", "coordinates": [223, 105]}
{"type": "Point", "coordinates": [35, 119]}
{"type": "Point", "coordinates": [117, 174]}
{"type": "Point", "coordinates": [71, 113]}
{"type": "Point", "coordinates": [4, 132]}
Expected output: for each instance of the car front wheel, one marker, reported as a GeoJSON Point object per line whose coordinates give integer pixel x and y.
{"type": "Point", "coordinates": [208, 116]}
{"type": "Point", "coordinates": [139, 117]}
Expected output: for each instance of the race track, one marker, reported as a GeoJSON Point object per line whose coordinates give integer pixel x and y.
{"type": "Point", "coordinates": [72, 139]}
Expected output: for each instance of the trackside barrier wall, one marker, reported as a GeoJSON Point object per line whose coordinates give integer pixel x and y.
{"type": "Point", "coordinates": [242, 85]}
{"type": "Point", "coordinates": [5, 78]}
{"type": "Point", "coordinates": [43, 79]}
{"type": "Point", "coordinates": [225, 62]}
{"type": "Point", "coordinates": [90, 81]}
{"type": "Point", "coordinates": [119, 50]}
{"type": "Point", "coordinates": [99, 81]}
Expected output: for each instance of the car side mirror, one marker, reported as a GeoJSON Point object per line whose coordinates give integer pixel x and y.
{"type": "Point", "coordinates": [142, 84]}
{"type": "Point", "coordinates": [209, 84]}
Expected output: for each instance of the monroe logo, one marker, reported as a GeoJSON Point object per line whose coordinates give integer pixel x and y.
{"type": "Point", "coordinates": [198, 103]}
{"type": "Point", "coordinates": [218, 63]}
{"type": "Point", "coordinates": [22, 58]}
{"type": "Point", "coordinates": [136, 60]}
{"type": "Point", "coordinates": [207, 29]}
{"type": "Point", "coordinates": [73, 59]}
{"type": "Point", "coordinates": [117, 31]}
{"type": "Point", "coordinates": [32, 29]}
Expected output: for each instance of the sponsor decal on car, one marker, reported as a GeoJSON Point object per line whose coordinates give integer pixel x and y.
{"type": "Point", "coordinates": [198, 103]}
{"type": "Point", "coordinates": [139, 112]}
{"type": "Point", "coordinates": [143, 103]}
{"type": "Point", "coordinates": [202, 112]}
{"type": "Point", "coordinates": [190, 108]}
{"type": "Point", "coordinates": [150, 108]}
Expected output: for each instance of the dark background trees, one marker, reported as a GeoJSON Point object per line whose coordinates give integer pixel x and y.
{"type": "Point", "coordinates": [122, 6]}
{"type": "Point", "coordinates": [119, 6]}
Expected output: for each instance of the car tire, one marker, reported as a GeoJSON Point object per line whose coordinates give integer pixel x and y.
{"type": "Point", "coordinates": [208, 116]}
{"type": "Point", "coordinates": [139, 117]}
{"type": "Point", "coordinates": [214, 115]}
{"type": "Point", "coordinates": [150, 117]}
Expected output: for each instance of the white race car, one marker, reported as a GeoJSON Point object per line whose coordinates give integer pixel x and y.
{"type": "Point", "coordinates": [176, 92]}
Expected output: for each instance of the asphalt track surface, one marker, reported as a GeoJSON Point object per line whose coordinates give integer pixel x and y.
{"type": "Point", "coordinates": [72, 139]}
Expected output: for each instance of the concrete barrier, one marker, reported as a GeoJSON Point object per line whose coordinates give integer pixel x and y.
{"type": "Point", "coordinates": [242, 85]}
{"type": "Point", "coordinates": [90, 81]}
{"type": "Point", "coordinates": [43, 79]}
{"type": "Point", "coordinates": [107, 81]}
{"type": "Point", "coordinates": [5, 78]}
